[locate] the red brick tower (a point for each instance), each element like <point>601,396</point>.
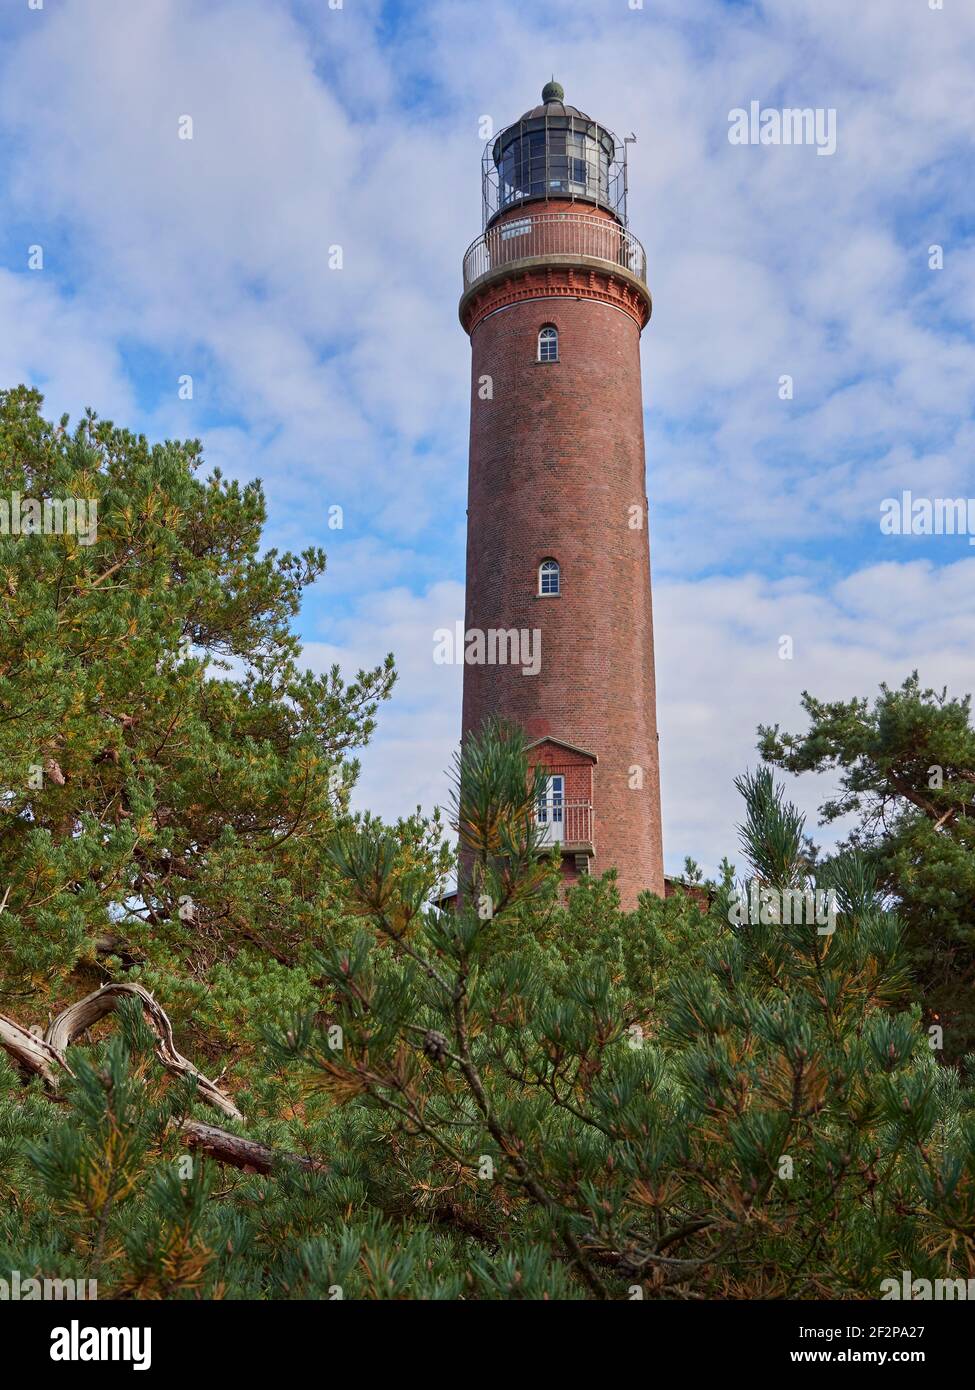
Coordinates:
<point>555,299</point>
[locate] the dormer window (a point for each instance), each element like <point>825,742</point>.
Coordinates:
<point>548,345</point>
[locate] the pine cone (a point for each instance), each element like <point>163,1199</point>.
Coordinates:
<point>435,1046</point>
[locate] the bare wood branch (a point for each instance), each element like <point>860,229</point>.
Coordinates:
<point>31,1053</point>
<point>47,1058</point>
<point>242,1153</point>
<point>75,1019</point>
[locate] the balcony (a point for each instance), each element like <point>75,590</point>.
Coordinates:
<point>571,237</point>
<point>566,823</point>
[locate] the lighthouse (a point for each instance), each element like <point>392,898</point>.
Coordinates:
<point>555,300</point>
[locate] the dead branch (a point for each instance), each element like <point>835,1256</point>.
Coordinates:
<point>31,1053</point>
<point>75,1019</point>
<point>46,1057</point>
<point>242,1153</point>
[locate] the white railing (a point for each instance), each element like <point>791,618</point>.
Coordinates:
<point>566,821</point>
<point>554,234</point>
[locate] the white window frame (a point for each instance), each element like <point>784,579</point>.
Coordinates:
<point>543,570</point>
<point>550,810</point>
<point>545,333</point>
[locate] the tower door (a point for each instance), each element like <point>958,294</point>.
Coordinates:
<point>551,807</point>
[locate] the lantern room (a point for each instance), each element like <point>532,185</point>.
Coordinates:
<point>554,152</point>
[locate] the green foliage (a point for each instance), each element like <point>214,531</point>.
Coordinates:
<point>670,1099</point>
<point>148,793</point>
<point>520,1098</point>
<point>906,769</point>
<point>678,1101</point>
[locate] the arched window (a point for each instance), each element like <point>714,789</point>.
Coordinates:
<point>549,578</point>
<point>548,344</point>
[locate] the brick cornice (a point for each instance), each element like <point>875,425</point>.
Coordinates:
<point>545,277</point>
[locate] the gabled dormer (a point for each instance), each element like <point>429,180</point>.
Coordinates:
<point>565,811</point>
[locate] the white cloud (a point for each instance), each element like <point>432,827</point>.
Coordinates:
<point>419,728</point>
<point>719,675</point>
<point>59,346</point>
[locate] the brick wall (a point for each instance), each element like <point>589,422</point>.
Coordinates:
<point>556,465</point>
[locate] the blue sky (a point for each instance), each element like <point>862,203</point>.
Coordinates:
<point>358,127</point>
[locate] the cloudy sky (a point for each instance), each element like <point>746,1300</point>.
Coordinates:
<point>358,126</point>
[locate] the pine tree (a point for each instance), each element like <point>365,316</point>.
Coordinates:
<point>171,773</point>
<point>709,1097</point>
<point>756,1119</point>
<point>906,769</point>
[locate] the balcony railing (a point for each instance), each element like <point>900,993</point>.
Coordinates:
<point>568,822</point>
<point>554,234</point>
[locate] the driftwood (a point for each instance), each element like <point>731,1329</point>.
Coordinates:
<point>46,1057</point>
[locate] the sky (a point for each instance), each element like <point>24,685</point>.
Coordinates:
<point>358,125</point>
